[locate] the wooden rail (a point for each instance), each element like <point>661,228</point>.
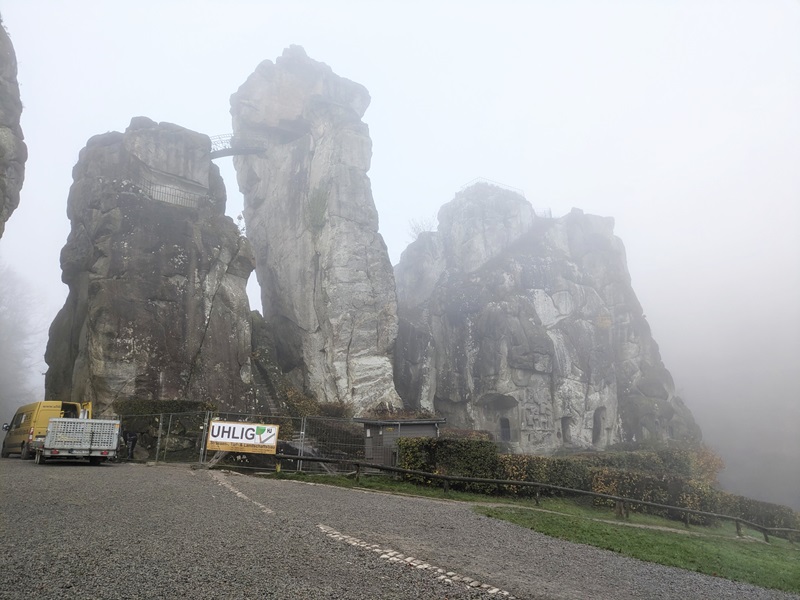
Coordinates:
<point>622,504</point>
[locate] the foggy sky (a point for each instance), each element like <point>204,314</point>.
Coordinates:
<point>677,118</point>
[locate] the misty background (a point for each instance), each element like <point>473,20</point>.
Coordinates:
<point>679,119</point>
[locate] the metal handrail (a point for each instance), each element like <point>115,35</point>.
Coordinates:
<point>229,144</point>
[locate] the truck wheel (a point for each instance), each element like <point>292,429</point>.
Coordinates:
<point>95,461</point>
<point>25,453</point>
<point>39,459</point>
<point>3,452</point>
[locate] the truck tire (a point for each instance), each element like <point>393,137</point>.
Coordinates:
<point>25,453</point>
<point>4,453</point>
<point>39,459</point>
<point>95,461</point>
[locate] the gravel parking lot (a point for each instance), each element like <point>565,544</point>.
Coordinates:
<point>137,531</point>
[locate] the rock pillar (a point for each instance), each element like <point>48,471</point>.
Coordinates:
<point>327,286</point>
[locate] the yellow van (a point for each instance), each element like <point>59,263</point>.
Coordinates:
<point>30,423</point>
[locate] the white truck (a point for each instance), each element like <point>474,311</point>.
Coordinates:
<point>93,439</point>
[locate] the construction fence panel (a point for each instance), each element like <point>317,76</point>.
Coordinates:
<point>327,437</point>
<point>320,437</point>
<point>164,437</point>
<point>181,438</point>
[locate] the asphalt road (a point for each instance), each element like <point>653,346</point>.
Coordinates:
<point>137,531</point>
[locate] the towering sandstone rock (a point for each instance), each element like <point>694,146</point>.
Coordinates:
<point>327,286</point>
<point>13,152</point>
<point>157,307</point>
<point>528,328</point>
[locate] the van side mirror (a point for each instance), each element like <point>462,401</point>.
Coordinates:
<point>6,427</point>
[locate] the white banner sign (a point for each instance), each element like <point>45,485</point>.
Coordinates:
<point>235,436</point>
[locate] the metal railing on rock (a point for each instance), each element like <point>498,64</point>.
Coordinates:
<point>509,188</point>
<point>229,144</point>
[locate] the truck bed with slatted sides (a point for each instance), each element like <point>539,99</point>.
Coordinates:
<point>95,439</point>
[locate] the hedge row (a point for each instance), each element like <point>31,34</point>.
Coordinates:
<point>756,511</point>
<point>449,456</point>
<point>673,477</point>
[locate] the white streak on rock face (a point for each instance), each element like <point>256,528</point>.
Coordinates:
<point>545,308</point>
<point>327,286</point>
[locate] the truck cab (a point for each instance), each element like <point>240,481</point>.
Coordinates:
<point>30,424</point>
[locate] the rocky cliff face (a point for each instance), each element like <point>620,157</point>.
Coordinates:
<point>327,286</point>
<point>528,328</point>
<point>157,307</point>
<point>13,152</point>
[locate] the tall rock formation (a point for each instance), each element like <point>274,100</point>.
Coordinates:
<point>13,152</point>
<point>327,286</point>
<point>528,328</point>
<point>157,306</point>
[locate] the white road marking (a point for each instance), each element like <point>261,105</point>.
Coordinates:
<point>393,556</point>
<point>222,480</point>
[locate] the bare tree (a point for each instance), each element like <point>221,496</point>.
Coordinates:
<point>417,226</point>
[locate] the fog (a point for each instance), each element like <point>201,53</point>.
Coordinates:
<point>679,119</point>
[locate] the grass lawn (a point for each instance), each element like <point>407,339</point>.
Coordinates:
<point>775,565</point>
<point>710,550</point>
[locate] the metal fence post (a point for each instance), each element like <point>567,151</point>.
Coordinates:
<point>160,428</point>
<point>302,443</point>
<point>166,442</point>
<point>205,437</point>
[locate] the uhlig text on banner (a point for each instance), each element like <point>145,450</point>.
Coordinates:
<point>232,436</point>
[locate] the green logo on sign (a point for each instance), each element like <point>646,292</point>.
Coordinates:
<point>261,431</point>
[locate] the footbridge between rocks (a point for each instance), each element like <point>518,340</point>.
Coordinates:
<point>172,190</point>
<point>230,145</point>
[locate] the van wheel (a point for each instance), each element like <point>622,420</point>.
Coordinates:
<point>25,454</point>
<point>3,452</point>
<point>39,459</point>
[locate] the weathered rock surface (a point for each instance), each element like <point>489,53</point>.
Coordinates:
<point>13,152</point>
<point>157,307</point>
<point>529,328</point>
<point>327,286</point>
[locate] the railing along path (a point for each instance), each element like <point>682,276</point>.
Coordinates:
<point>623,502</point>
